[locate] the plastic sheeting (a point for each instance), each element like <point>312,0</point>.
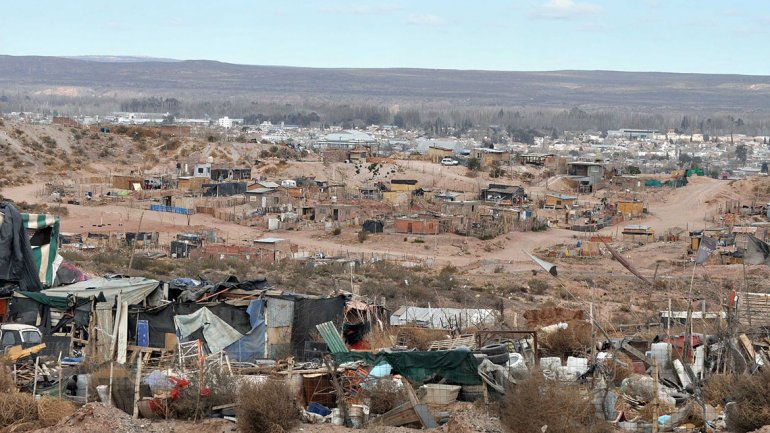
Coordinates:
<point>252,345</point>
<point>458,366</point>
<point>310,312</point>
<point>161,319</point>
<point>133,290</point>
<point>216,332</point>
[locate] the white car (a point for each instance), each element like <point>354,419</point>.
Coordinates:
<point>15,334</point>
<point>449,161</point>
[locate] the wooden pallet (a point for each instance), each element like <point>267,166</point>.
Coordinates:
<point>467,340</point>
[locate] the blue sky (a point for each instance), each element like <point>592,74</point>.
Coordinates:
<point>708,36</point>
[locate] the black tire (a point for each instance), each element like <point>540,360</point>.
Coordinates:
<point>500,359</point>
<point>494,349</point>
<point>480,357</point>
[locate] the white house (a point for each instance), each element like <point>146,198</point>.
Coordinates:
<point>225,122</point>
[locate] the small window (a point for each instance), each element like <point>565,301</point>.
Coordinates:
<point>9,339</point>
<point>32,337</point>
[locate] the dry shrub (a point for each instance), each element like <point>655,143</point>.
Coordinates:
<point>16,408</point>
<point>266,407</point>
<point>384,395</point>
<point>536,402</point>
<point>573,341</point>
<point>419,338</point>
<point>219,388</point>
<point>6,380</point>
<point>751,395</point>
<point>717,388</point>
<point>50,410</point>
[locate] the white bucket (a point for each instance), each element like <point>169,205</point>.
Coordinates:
<point>356,416</point>
<point>336,417</point>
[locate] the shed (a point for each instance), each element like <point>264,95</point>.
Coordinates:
<point>636,232</point>
<point>417,226</point>
<point>373,226</point>
<point>630,207</point>
<point>403,185</point>
<point>443,318</point>
<point>559,201</point>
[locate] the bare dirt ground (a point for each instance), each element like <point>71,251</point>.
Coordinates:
<point>671,209</point>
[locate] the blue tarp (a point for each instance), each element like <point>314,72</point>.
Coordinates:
<point>252,345</point>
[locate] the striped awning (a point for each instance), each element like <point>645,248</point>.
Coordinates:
<point>44,252</point>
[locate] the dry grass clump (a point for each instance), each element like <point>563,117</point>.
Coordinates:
<point>573,341</point>
<point>266,407</point>
<point>717,388</point>
<point>50,410</point>
<point>6,379</point>
<point>751,395</point>
<point>419,338</point>
<point>17,408</point>
<point>536,402</point>
<point>384,396</point>
<point>196,400</point>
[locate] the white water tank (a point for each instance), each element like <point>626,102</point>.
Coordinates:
<point>210,159</point>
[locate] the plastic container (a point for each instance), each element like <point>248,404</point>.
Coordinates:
<point>318,408</point>
<point>104,396</point>
<point>356,415</point>
<point>440,394</point>
<point>550,363</point>
<point>337,417</point>
<point>577,365</point>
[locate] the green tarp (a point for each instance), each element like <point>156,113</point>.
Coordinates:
<point>676,183</point>
<point>51,301</point>
<point>653,183</point>
<point>458,367</point>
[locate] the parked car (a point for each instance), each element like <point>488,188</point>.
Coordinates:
<point>449,161</point>
<point>16,334</point>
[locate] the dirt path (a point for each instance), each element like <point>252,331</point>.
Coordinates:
<point>688,206</point>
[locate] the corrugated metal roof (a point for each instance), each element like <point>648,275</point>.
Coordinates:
<point>133,290</point>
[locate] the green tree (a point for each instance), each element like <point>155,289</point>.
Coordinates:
<point>742,153</point>
<point>474,163</point>
<point>496,171</point>
<point>632,169</point>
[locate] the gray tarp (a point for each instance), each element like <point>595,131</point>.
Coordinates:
<point>133,290</point>
<point>217,333</point>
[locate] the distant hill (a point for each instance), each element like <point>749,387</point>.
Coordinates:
<point>202,79</point>
<point>121,59</point>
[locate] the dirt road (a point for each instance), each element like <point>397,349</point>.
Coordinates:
<point>689,206</point>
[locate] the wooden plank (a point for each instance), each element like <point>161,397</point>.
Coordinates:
<point>170,341</point>
<point>747,346</point>
<point>630,349</point>
<point>426,419</point>
<point>425,416</point>
<point>123,332</point>
<point>16,352</point>
<point>398,416</point>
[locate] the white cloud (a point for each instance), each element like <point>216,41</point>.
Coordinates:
<point>424,20</point>
<point>565,9</point>
<point>362,9</point>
